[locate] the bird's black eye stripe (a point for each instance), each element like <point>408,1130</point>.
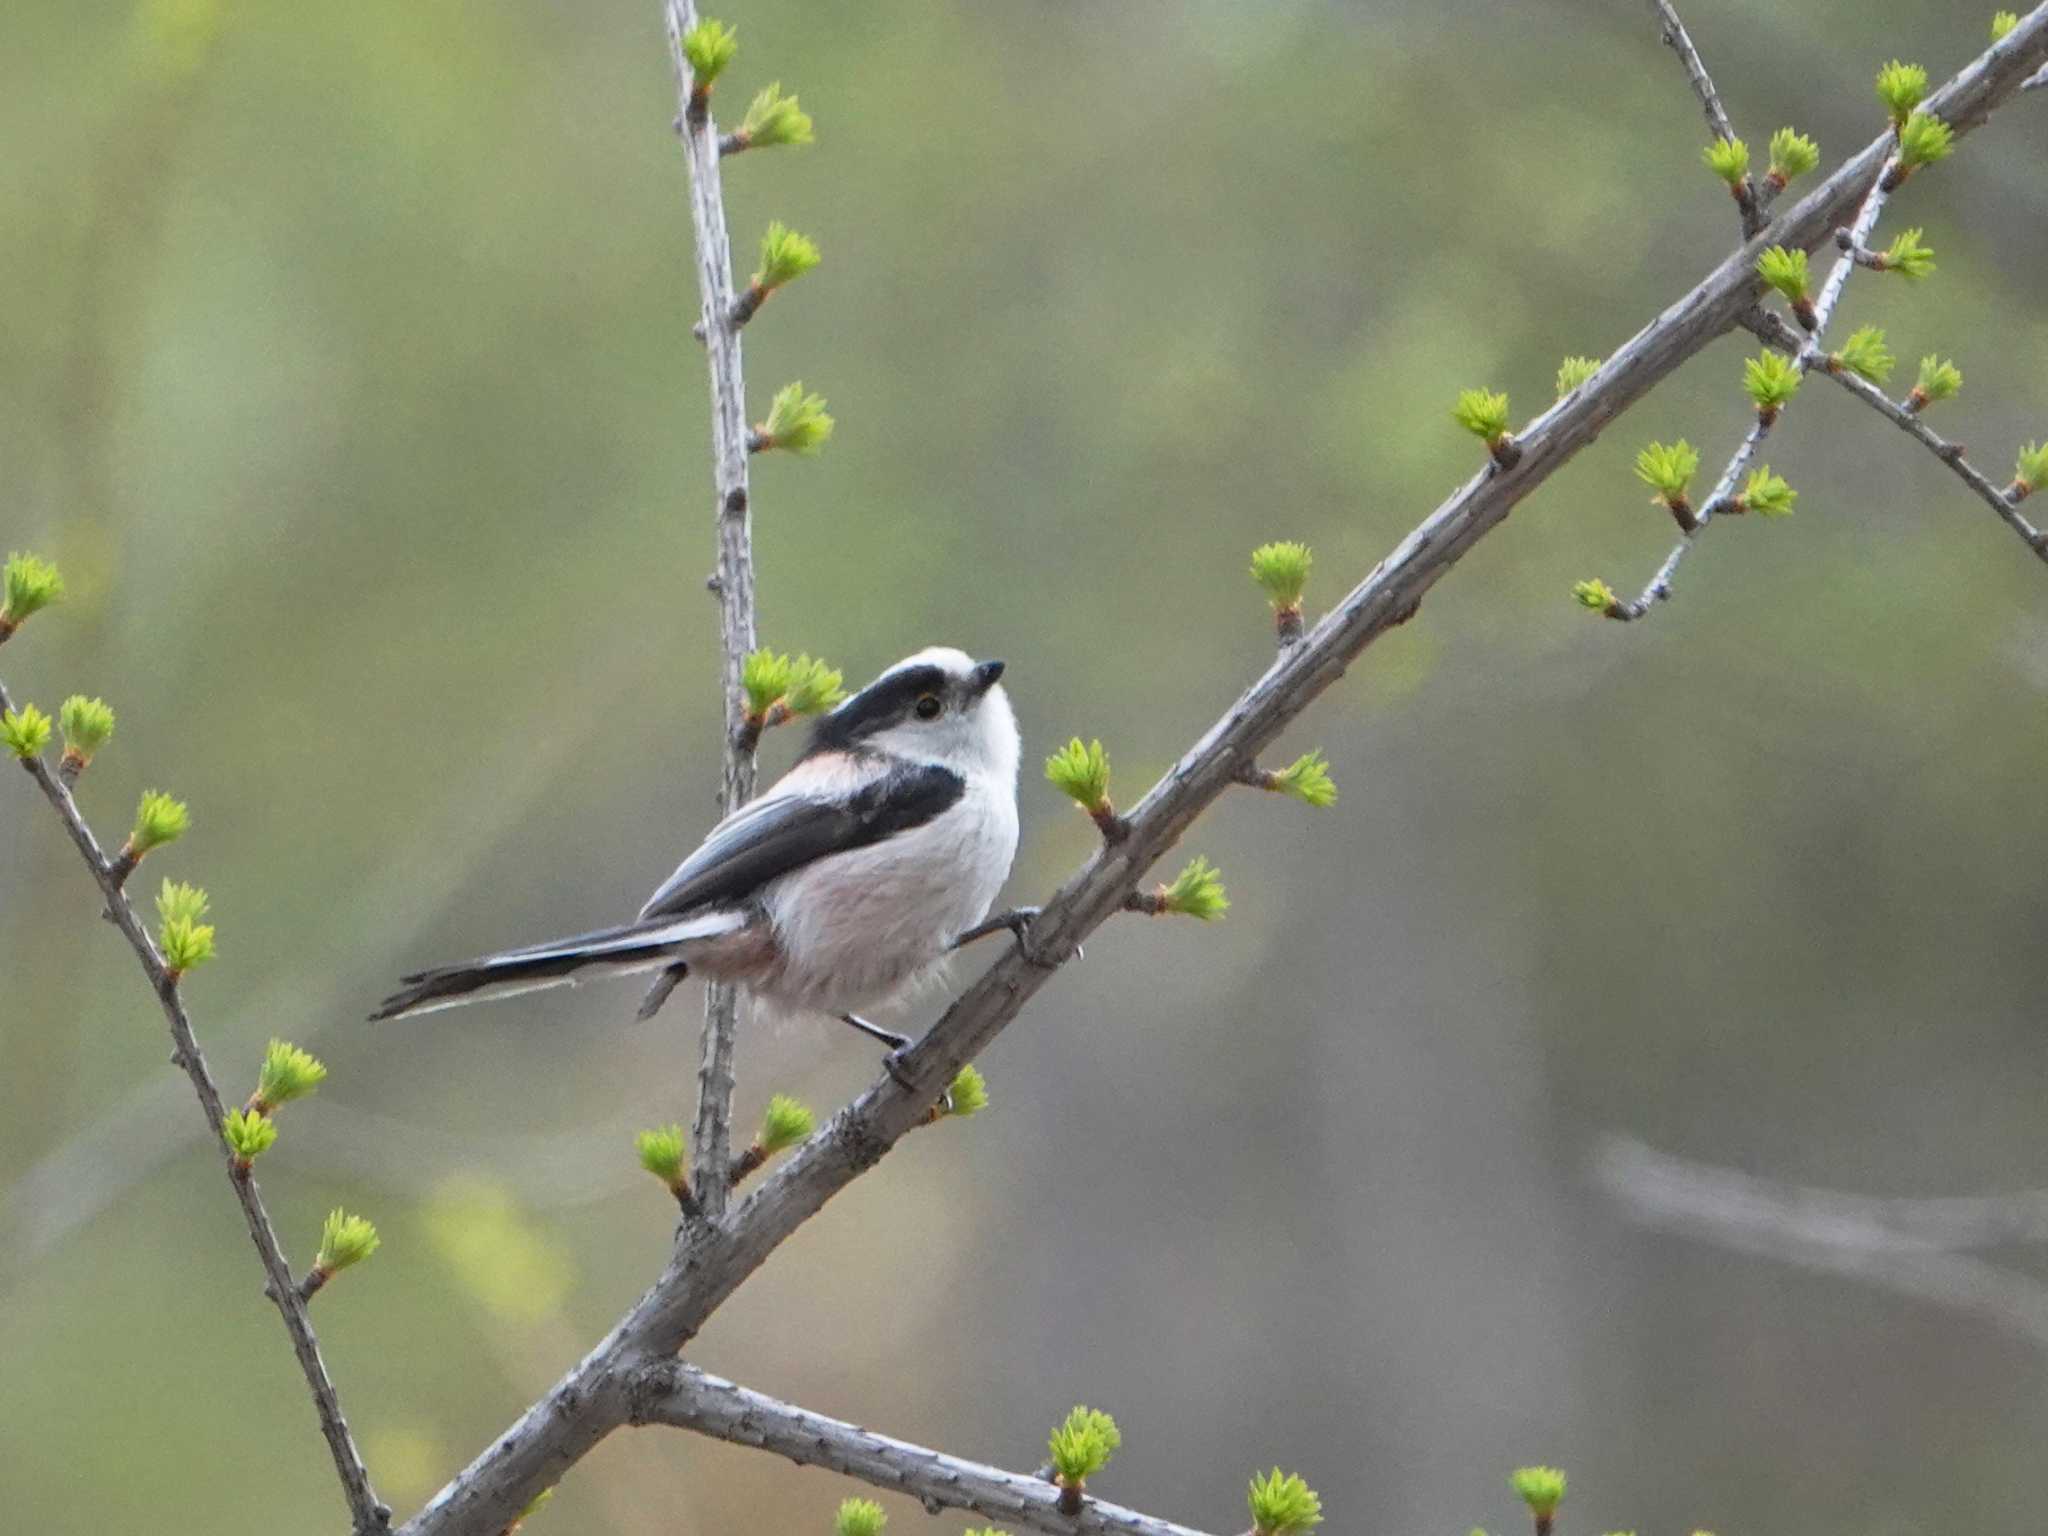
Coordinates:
<point>883,702</point>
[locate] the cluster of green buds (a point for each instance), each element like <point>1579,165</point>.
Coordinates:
<point>1793,154</point>
<point>785,257</point>
<point>773,121</point>
<point>784,1123</point>
<point>1282,1504</point>
<point>1863,354</point>
<point>1668,470</point>
<point>159,819</point>
<point>1906,255</point>
<point>966,1095</point>
<point>1197,891</point>
<point>286,1072</point>
<point>859,1517</point>
<point>26,732</point>
<point>663,1152</point>
<point>1081,773</point>
<point>1078,1449</point>
<point>183,938</point>
<point>797,423</point>
<point>1281,571</point>
<point>27,586</point>
<point>345,1241</point>
<point>1598,597</point>
<point>1542,1489</point>
<point>1939,379</point>
<point>781,688</point>
<point>1307,779</point>
<point>707,48</point>
<point>1923,137</point>
<point>1574,373</point>
<point>1765,494</point>
<point>2030,474</point>
<point>1772,379</point>
<point>2002,23</point>
<point>1729,159</point>
<point>1485,415</point>
<point>1784,270</point>
<point>88,725</point>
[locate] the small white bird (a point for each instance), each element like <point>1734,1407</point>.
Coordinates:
<point>841,887</point>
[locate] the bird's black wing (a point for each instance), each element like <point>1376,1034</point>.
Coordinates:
<point>784,831</point>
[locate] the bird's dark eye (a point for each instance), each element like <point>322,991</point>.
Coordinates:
<point>928,707</point>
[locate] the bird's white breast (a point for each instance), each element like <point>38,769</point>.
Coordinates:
<point>856,929</point>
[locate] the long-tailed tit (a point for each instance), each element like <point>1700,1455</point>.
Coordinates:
<point>841,887</point>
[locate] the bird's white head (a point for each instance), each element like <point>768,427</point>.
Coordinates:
<point>938,706</point>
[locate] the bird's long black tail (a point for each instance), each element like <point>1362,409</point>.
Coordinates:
<point>662,944</point>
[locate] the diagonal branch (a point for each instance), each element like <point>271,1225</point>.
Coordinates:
<point>1680,41</point>
<point>1843,1234</point>
<point>714,1260</point>
<point>1722,497</point>
<point>681,1395</point>
<point>367,1513</point>
<point>734,582</point>
<point>1774,331</point>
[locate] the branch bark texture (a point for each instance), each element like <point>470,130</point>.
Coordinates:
<point>733,584</point>
<point>671,1392</point>
<point>711,1261</point>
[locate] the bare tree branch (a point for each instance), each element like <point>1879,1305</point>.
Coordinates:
<point>711,1261</point>
<point>367,1512</point>
<point>1680,42</point>
<point>1777,333</point>
<point>670,1392</point>
<point>1899,1245</point>
<point>734,582</point>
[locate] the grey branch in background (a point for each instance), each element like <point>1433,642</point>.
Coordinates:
<point>1769,328</point>
<point>1718,124</point>
<point>671,1392</point>
<point>714,1258</point>
<point>1903,1245</point>
<point>367,1512</point>
<point>733,584</point>
<point>1723,494</point>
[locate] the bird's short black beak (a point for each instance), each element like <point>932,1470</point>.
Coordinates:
<point>984,677</point>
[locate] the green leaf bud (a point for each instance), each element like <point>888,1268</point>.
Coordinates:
<point>1197,891</point>
<point>1281,571</point>
<point>1541,1488</point>
<point>1772,379</point>
<point>1082,1446</point>
<point>1307,779</point>
<point>1283,1505</point>
<point>709,46</point>
<point>785,257</point>
<point>88,725</point>
<point>773,120</point>
<point>1907,256</point>
<point>1668,469</point>
<point>967,1094</point>
<point>159,819</point>
<point>25,731</point>
<point>1729,160</point>
<point>1865,355</point>
<point>27,586</point>
<point>345,1240</point>
<point>2031,472</point>
<point>248,1135</point>
<point>1081,773</point>
<point>662,1153</point>
<point>1766,494</point>
<point>1483,414</point>
<point>287,1073</point>
<point>797,423</point>
<point>1596,595</point>
<point>1924,140</point>
<point>1939,380</point>
<point>1793,154</point>
<point>1901,87</point>
<point>859,1517</point>
<point>1574,372</point>
<point>784,1123</point>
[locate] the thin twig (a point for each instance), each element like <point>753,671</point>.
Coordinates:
<point>1769,328</point>
<point>1659,587</point>
<point>733,584</point>
<point>681,1395</point>
<point>1817,1229</point>
<point>1680,41</point>
<point>368,1513</point>
<point>712,1262</point>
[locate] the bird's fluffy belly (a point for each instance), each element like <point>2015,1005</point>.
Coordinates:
<point>856,929</point>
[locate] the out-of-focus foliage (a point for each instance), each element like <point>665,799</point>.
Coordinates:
<point>346,372</point>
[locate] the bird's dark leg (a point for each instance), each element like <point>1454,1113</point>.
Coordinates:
<point>888,1037</point>
<point>1015,920</point>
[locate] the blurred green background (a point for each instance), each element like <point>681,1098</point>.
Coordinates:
<point>345,367</point>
